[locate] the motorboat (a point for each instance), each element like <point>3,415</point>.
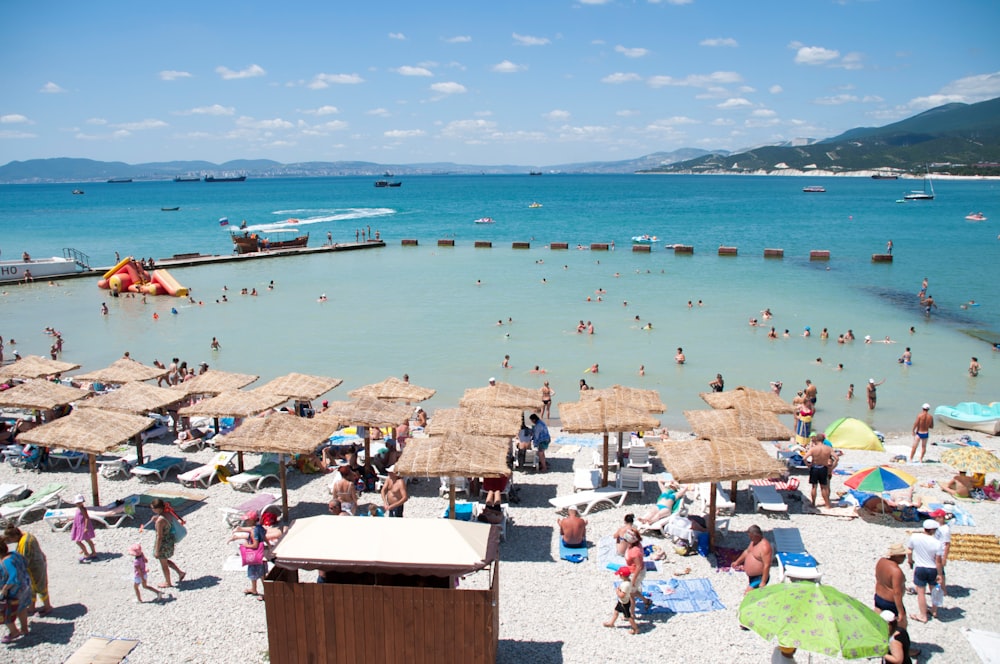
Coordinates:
<point>535,204</point>
<point>971,415</point>
<point>251,243</point>
<point>484,220</point>
<point>388,183</point>
<point>78,192</point>
<point>814,189</point>
<point>644,239</point>
<point>170,209</point>
<point>975,216</point>
<point>28,268</point>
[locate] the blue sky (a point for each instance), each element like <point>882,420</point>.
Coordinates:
<point>504,82</point>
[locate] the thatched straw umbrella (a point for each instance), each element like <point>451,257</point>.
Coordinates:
<point>503,395</point>
<point>717,460</point>
<point>301,387</point>
<point>394,389</point>
<point>729,423</point>
<point>122,370</point>
<point>633,397</point>
<point>366,412</point>
<point>476,421</point>
<point>89,430</point>
<point>747,398</point>
<point>41,395</point>
<point>455,455</point>
<point>35,366</point>
<point>282,433</point>
<point>215,382</point>
<point>138,399</point>
<point>603,416</point>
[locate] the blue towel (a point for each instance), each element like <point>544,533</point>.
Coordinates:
<point>797,559</point>
<point>574,554</point>
<point>688,596</point>
<point>463,512</point>
<point>582,441</point>
<point>961,516</point>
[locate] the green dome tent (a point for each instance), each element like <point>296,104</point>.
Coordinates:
<point>848,433</point>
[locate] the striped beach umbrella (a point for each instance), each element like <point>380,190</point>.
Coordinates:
<point>880,478</point>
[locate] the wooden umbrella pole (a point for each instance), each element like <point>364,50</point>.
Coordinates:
<point>239,461</point>
<point>711,517</point>
<point>284,488</point>
<point>604,474</point>
<point>215,421</point>
<point>92,462</point>
<point>368,447</point>
<point>451,498</point>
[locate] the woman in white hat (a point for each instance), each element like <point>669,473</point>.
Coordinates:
<point>83,530</point>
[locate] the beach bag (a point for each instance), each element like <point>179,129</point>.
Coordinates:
<point>253,556</point>
<point>180,531</point>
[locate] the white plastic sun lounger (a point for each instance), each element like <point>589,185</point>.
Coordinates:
<point>109,516</point>
<point>766,499</point>
<point>203,475</point>
<point>794,562</point>
<point>585,501</point>
<point>160,468</point>
<point>260,503</point>
<point>585,479</point>
<point>17,511</point>
<point>112,466</point>
<point>72,459</point>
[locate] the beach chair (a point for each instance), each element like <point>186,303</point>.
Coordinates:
<point>109,516</point>
<point>159,468</point>
<point>261,502</point>
<point>155,431</point>
<point>585,501</point>
<point>72,459</point>
<point>203,475</point>
<point>598,459</point>
<point>461,485</point>
<point>585,479</point>
<point>18,511</point>
<point>114,466</point>
<point>477,509</point>
<point>530,459</point>
<point>9,492</point>
<point>629,479</point>
<point>253,479</point>
<point>794,562</point>
<point>724,504</point>
<point>638,457</point>
<point>187,442</point>
<point>767,499</point>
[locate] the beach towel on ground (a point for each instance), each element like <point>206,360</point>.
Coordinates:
<point>584,441</point>
<point>574,554</point>
<point>607,556</point>
<point>680,596</point>
<point>962,516</point>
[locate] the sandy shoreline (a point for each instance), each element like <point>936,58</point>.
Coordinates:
<point>551,610</point>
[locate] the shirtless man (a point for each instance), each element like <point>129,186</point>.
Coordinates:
<point>960,485</point>
<point>890,583</point>
<point>811,391</point>
<point>822,461</point>
<point>679,357</point>
<point>755,560</point>
<point>421,417</point>
<point>974,367</point>
<point>547,393</point>
<point>394,494</point>
<point>922,431</point>
<point>573,529</point>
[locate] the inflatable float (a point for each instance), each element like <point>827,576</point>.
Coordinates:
<point>129,276</point>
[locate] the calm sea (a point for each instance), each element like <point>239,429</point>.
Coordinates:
<point>420,310</point>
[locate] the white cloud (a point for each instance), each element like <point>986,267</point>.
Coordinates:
<point>150,123</point>
<point>627,113</point>
<point>397,35</point>
<point>734,102</point>
<point>332,125</point>
<point>763,113</point>
<point>966,90</point>
<point>404,133</point>
<point>96,121</point>
<point>621,77</point>
<point>722,122</point>
<point>697,80</point>
<point>253,71</point>
<point>527,40</point>
<point>51,88</point>
<point>837,100</point>
<point>379,112</point>
<point>322,81</point>
<point>172,75</point>
<point>507,67</point>
<point>13,134</point>
<point>815,55</point>
<point>558,115</point>
<point>214,109</point>
<point>775,89</point>
<point>853,60</point>
<point>406,70</point>
<point>15,118</point>
<point>470,130</point>
<point>459,39</point>
<point>275,123</point>
<point>719,41</point>
<point>631,52</point>
<point>322,110</point>
<point>673,122</point>
<point>448,88</point>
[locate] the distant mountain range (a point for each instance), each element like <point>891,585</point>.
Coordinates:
<point>962,139</point>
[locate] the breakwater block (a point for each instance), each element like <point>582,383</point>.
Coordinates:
<point>641,248</point>
<point>483,244</point>
<point>774,253</point>
<point>409,243</point>
<point>599,246</point>
<point>727,251</point>
<point>521,245</point>
<point>683,249</point>
<point>559,245</point>
<point>881,258</point>
<point>819,255</point>
<point>446,243</point>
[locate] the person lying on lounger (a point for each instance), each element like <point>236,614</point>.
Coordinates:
<point>669,501</point>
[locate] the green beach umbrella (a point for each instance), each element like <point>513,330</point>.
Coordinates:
<point>848,433</point>
<point>816,618</point>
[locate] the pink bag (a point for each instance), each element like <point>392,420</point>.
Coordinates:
<point>252,556</point>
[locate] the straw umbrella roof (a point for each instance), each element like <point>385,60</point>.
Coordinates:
<point>88,430</point>
<point>280,432</point>
<point>366,411</point>
<point>35,366</point>
<point>717,460</point>
<point>122,370</point>
<point>393,389</point>
<point>503,395</point>
<point>729,423</point>
<point>747,398</point>
<point>234,404</point>
<point>41,395</point>
<point>136,398</point>
<point>215,382</point>
<point>455,455</point>
<point>633,397</point>
<point>598,416</point>
<point>301,386</point>
<point>476,420</point>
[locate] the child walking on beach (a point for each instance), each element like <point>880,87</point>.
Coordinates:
<point>139,573</point>
<point>626,603</point>
<point>83,530</point>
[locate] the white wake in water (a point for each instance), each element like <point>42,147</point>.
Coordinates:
<point>292,219</point>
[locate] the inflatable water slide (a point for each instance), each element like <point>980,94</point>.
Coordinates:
<point>129,276</point>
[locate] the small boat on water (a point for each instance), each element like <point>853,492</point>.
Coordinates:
<point>232,178</point>
<point>119,180</point>
<point>975,216</point>
<point>971,415</point>
<point>187,178</point>
<point>814,189</point>
<point>388,183</point>
<point>484,220</point>
<point>925,194</point>
<point>535,204</point>
<point>28,268</point>
<point>885,176</point>
<point>251,243</point>
<point>78,192</point>
<point>644,239</point>
<point>169,209</point>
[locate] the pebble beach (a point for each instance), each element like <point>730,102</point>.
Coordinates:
<point>551,610</point>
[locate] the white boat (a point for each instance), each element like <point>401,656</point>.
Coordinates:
<point>975,216</point>
<point>814,189</point>
<point>644,239</point>
<point>971,415</point>
<point>925,194</point>
<point>536,204</point>
<point>484,220</point>
<point>71,262</point>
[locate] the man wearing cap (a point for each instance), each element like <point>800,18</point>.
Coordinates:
<point>890,582</point>
<point>872,396</point>
<point>326,406</point>
<point>922,431</point>
<point>493,381</point>
<point>924,556</point>
<point>943,535</point>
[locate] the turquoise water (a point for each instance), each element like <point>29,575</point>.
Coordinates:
<point>419,309</point>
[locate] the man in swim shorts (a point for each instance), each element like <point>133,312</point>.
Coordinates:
<point>756,559</point>
<point>922,431</point>
<point>925,557</point>
<point>890,582</point>
<point>822,461</point>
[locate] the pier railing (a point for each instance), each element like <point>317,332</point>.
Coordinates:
<point>80,258</point>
